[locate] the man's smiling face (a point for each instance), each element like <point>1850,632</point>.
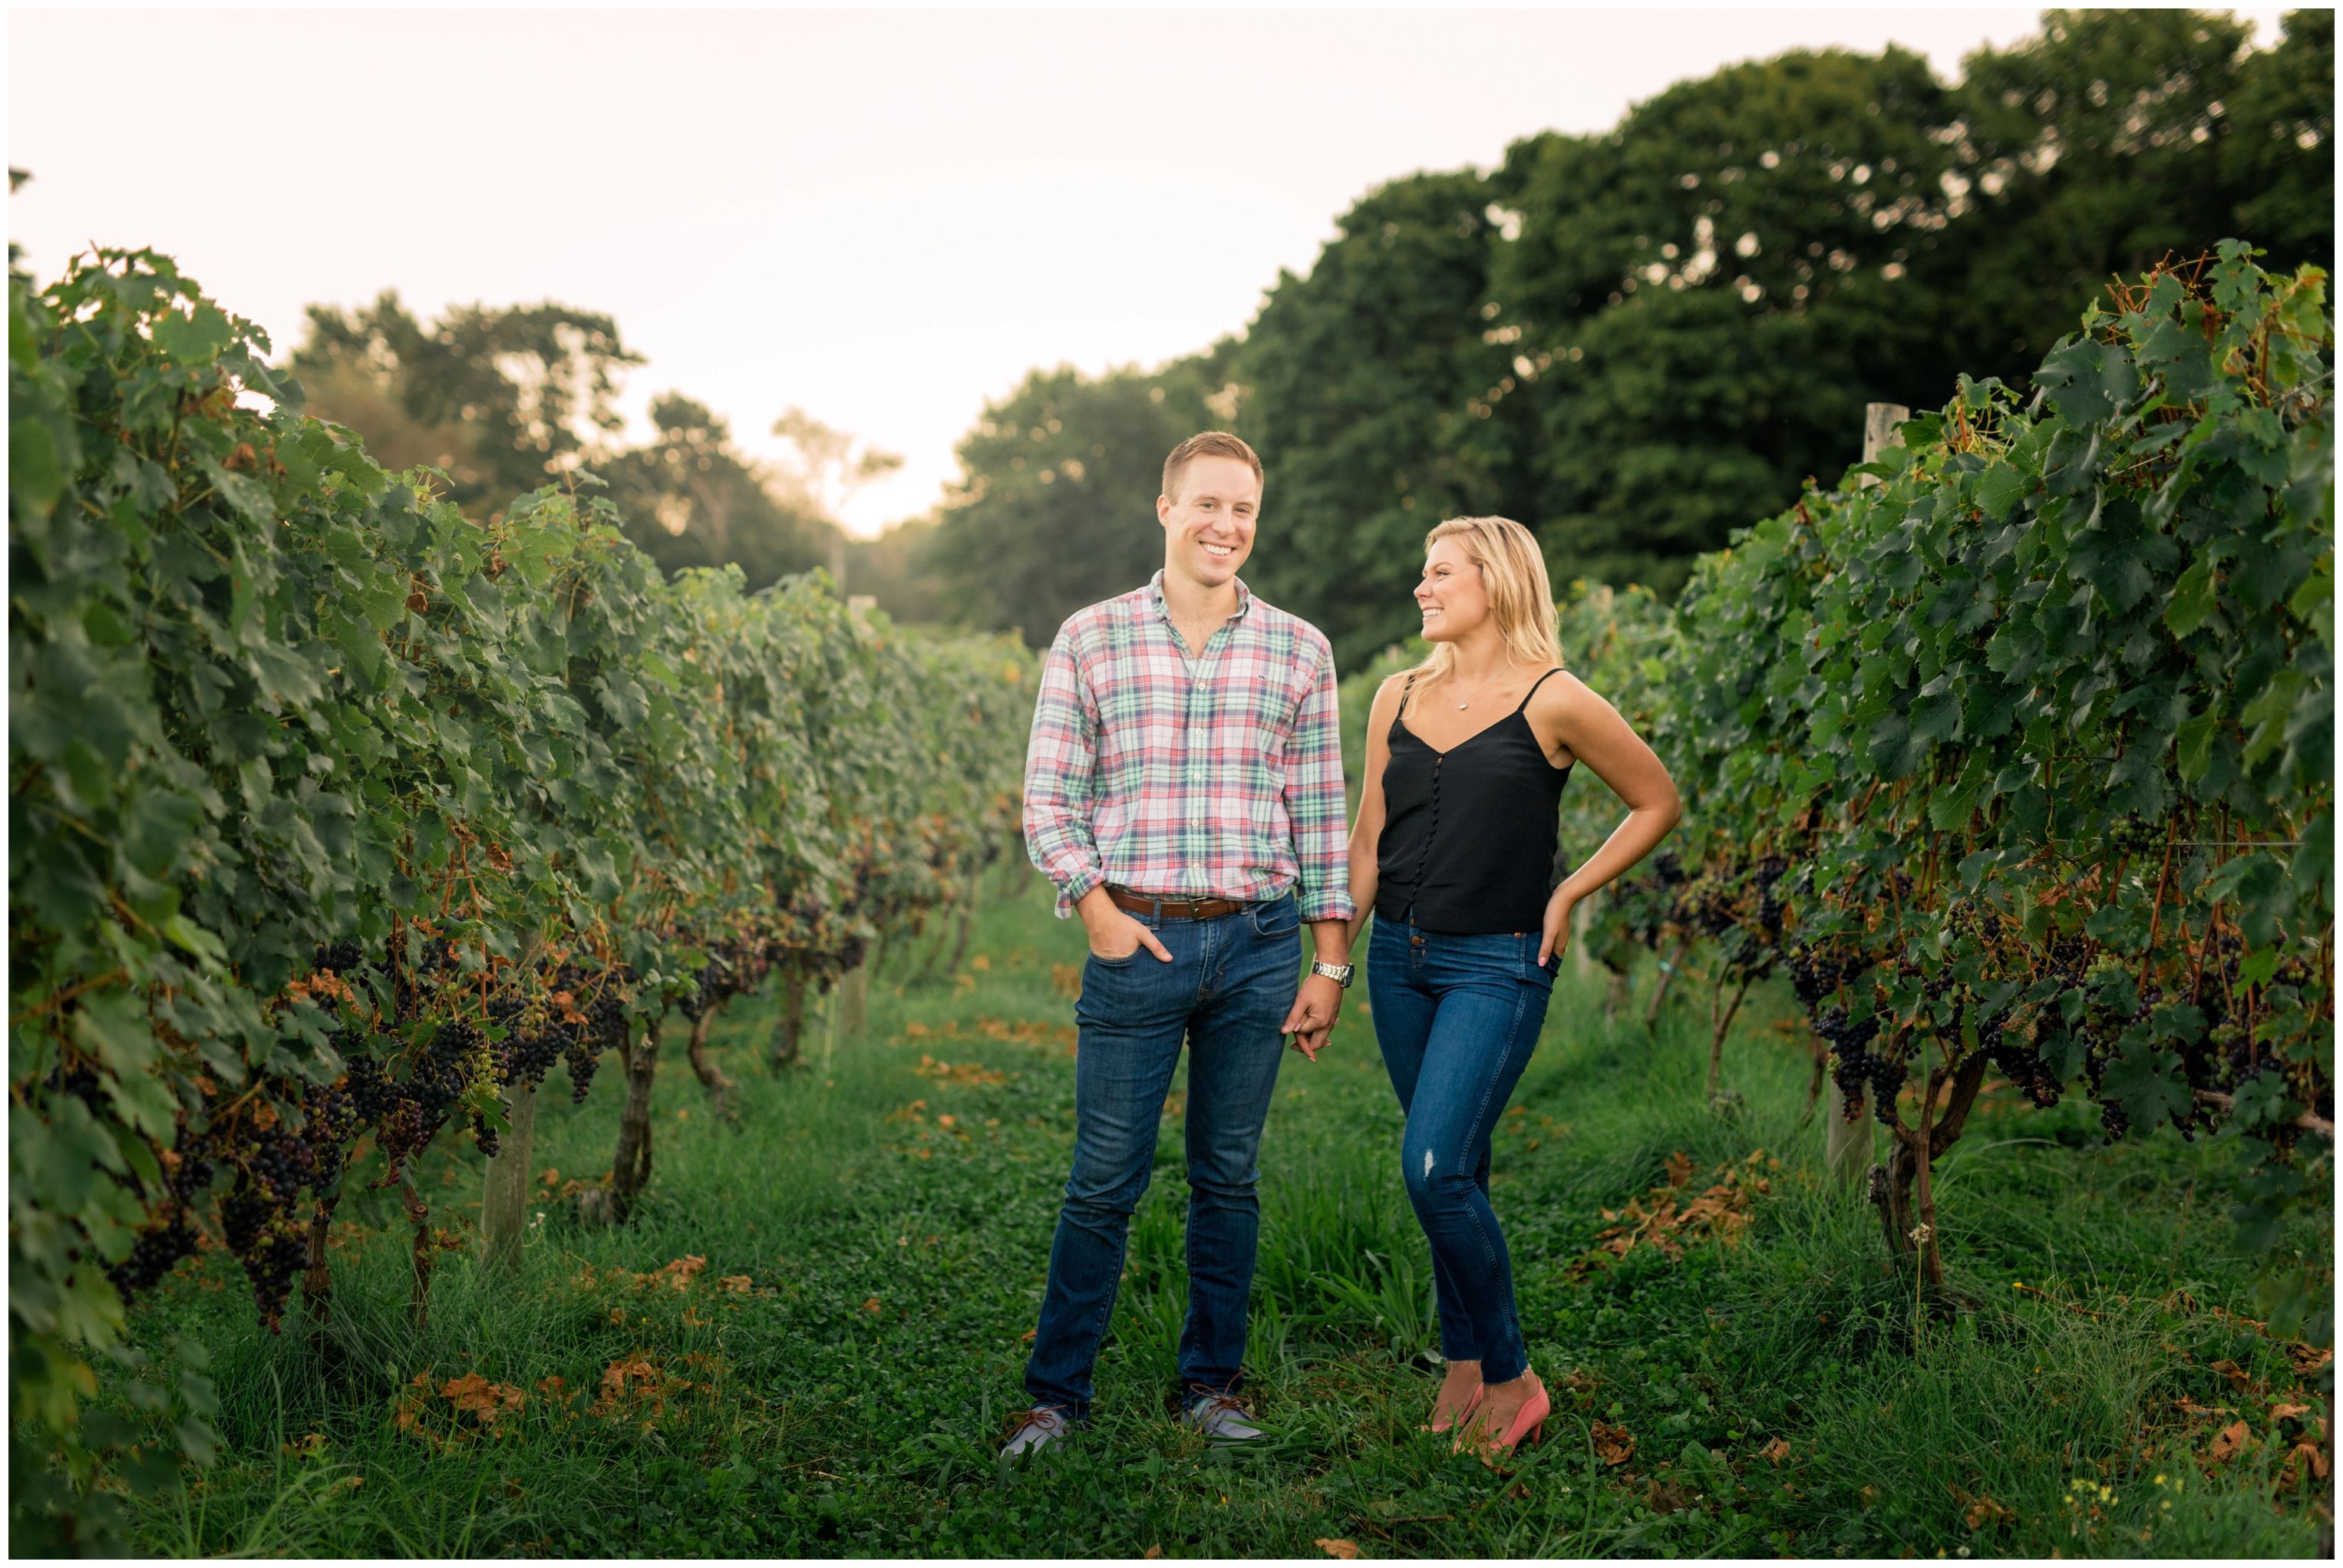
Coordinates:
<point>1208,527</point>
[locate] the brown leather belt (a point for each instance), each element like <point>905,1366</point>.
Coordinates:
<point>1172,908</point>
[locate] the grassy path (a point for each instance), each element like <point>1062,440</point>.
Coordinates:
<point>831,1379</point>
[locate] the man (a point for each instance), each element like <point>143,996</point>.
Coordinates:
<point>1184,790</point>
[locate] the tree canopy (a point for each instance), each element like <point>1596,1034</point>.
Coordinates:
<point>502,399</point>
<point>1055,508</point>
<point>1634,341</point>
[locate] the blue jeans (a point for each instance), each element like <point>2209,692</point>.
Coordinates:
<point>1457,1018</point>
<point>1230,984</point>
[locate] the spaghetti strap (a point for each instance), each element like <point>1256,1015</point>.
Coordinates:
<point>1533,691</point>
<point>1404,692</point>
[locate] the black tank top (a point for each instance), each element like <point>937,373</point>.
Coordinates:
<point>1468,840</point>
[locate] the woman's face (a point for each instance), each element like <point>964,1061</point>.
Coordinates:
<point>1450,595</point>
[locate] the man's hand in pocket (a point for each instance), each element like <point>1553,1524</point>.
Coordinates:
<point>1115,936</point>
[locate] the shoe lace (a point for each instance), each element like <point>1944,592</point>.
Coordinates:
<point>1048,1417</point>
<point>1205,1403</point>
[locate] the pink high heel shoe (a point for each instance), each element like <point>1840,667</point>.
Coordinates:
<point>1463,1411</point>
<point>1527,1423</point>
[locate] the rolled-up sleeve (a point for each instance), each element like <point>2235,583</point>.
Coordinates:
<point>1060,761</point>
<point>1314,800</point>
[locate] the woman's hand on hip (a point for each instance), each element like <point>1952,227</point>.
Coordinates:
<point>1555,937</point>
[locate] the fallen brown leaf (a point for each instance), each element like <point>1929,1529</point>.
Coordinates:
<point>1614,1445</point>
<point>1776,1451</point>
<point>2230,1440</point>
<point>1337,1547</point>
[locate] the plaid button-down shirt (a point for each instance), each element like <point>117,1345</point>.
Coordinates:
<point>1217,775</point>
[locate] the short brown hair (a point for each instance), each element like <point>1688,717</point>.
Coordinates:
<point>1207,443</point>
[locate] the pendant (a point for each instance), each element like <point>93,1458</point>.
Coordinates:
<point>1461,706</point>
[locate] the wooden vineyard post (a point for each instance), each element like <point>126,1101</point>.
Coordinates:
<point>1846,1144</point>
<point>504,1196</point>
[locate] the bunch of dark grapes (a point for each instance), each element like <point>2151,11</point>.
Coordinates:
<point>1850,1040</point>
<point>154,1254</point>
<point>341,957</point>
<point>2017,1060</point>
<point>1887,1075</point>
<point>372,1093</point>
<point>273,1164</point>
<point>330,1124</point>
<point>1813,975</point>
<point>438,1081</point>
<point>605,1029</point>
<point>581,1056</point>
<point>158,1249</point>
<point>534,1053</point>
<point>2098,1049</point>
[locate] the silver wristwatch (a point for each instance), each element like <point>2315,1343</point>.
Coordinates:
<point>1339,973</point>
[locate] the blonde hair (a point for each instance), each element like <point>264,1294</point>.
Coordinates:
<point>1521,597</point>
<point>1206,444</point>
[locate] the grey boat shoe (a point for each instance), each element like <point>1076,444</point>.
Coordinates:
<point>1034,1430</point>
<point>1219,1417</point>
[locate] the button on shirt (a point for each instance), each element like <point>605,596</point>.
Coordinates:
<point>1187,775</point>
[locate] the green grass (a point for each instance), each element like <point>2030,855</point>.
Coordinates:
<point>850,1401</point>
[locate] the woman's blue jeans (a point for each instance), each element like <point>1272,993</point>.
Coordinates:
<point>1230,984</point>
<point>1457,1018</point>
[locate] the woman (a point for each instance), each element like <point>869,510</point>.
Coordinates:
<point>1452,850</point>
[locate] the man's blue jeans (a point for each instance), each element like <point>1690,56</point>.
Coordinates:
<point>1230,984</point>
<point>1457,1018</point>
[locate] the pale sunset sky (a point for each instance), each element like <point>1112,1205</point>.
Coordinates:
<point>884,216</point>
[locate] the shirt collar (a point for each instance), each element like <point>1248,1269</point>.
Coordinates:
<point>1155,588</point>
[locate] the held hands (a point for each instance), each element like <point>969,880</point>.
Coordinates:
<point>1312,1017</point>
<point>1555,937</point>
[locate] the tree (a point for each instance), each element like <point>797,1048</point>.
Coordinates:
<point>1055,506</point>
<point>2279,150</point>
<point>2116,138</point>
<point>1700,303</point>
<point>1370,390</point>
<point>891,569</point>
<point>690,499</point>
<point>1635,341</point>
<point>500,399</point>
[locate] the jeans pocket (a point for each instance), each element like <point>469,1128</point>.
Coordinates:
<point>1279,919</point>
<point>1105,962</point>
<point>1531,971</point>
